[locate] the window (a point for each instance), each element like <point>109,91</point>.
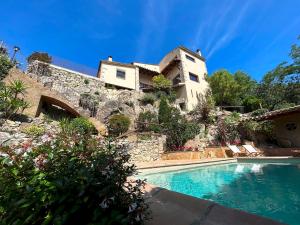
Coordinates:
<point>194,77</point>
<point>190,58</point>
<point>291,126</point>
<point>176,80</point>
<point>121,74</point>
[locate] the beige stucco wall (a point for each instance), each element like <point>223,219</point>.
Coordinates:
<point>282,133</point>
<point>146,79</point>
<point>193,88</point>
<point>108,74</point>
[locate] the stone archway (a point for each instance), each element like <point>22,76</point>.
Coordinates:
<point>57,102</point>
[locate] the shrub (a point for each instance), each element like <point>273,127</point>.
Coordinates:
<point>118,124</point>
<point>40,56</point>
<point>11,101</point>
<point>202,111</point>
<point>227,130</point>
<point>77,126</point>
<point>161,83</point>
<point>148,121</point>
<point>179,130</point>
<point>70,180</point>
<point>164,111</point>
<point>148,99</point>
<point>259,112</point>
<point>34,130</point>
<point>5,66</point>
<point>86,81</point>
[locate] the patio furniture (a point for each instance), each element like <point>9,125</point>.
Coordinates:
<point>236,151</point>
<point>251,150</point>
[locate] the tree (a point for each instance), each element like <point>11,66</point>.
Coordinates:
<point>281,86</point>
<point>164,111</point>
<point>224,88</point>
<point>161,83</point>
<point>40,56</point>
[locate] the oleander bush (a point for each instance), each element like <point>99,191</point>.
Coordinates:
<point>69,180</point>
<point>118,124</point>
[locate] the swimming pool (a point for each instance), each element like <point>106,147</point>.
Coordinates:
<point>267,189</point>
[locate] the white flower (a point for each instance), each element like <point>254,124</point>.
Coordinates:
<point>104,204</point>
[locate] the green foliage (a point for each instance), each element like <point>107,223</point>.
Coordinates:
<point>259,112</point>
<point>5,66</point>
<point>228,129</point>
<point>250,129</point>
<point>178,129</point>
<point>70,180</point>
<point>164,111</point>
<point>236,89</point>
<point>148,99</point>
<point>283,105</point>
<point>161,83</point>
<point>147,121</point>
<point>40,56</point>
<point>118,124</point>
<point>11,101</point>
<point>201,113</point>
<point>34,130</point>
<point>86,81</point>
<point>77,126</point>
<point>282,84</point>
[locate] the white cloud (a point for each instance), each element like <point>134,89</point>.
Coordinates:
<point>231,30</point>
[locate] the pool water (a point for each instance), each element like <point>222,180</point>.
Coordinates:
<point>270,190</point>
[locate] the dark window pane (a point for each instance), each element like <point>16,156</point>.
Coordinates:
<point>190,58</point>
<point>194,77</point>
<point>120,74</point>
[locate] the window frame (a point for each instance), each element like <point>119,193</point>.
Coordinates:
<point>122,71</point>
<point>190,58</point>
<point>194,75</point>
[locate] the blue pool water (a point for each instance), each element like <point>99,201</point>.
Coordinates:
<point>270,190</point>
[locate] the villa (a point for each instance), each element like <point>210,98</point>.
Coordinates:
<point>186,70</point>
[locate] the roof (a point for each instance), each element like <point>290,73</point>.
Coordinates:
<point>195,54</point>
<point>117,63</point>
<point>278,113</point>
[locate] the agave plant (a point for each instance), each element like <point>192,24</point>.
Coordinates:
<point>10,98</point>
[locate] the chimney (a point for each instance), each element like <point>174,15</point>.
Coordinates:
<point>109,58</point>
<point>198,52</point>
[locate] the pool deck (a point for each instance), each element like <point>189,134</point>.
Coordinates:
<point>169,207</point>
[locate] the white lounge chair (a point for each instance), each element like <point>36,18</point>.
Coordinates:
<point>251,149</point>
<point>234,149</point>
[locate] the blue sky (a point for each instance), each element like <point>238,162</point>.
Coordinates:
<point>250,35</point>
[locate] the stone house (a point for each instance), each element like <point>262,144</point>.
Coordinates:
<point>185,68</point>
<point>286,125</point>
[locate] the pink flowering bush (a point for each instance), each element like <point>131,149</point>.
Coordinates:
<point>69,179</point>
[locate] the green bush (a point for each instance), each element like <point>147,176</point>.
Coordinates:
<point>259,112</point>
<point>148,99</point>
<point>5,66</point>
<point>79,126</point>
<point>70,180</point>
<point>160,82</point>
<point>178,130</point>
<point>164,111</point>
<point>118,124</point>
<point>11,99</point>
<point>148,121</point>
<point>40,56</point>
<point>34,130</point>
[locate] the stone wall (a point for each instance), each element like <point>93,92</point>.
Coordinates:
<point>72,85</point>
<point>146,150</point>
